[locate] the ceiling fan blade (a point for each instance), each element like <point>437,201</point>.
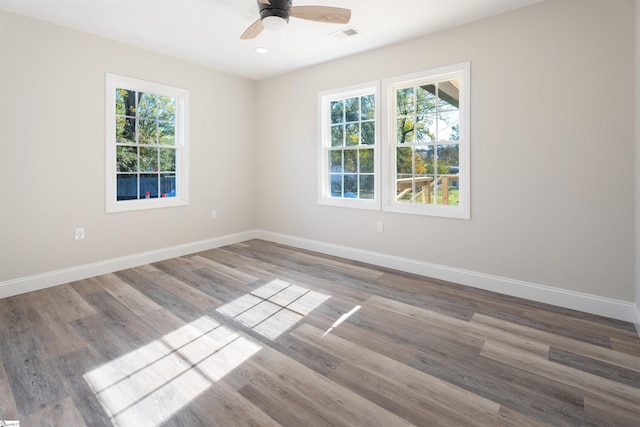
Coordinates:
<point>264,1</point>
<point>253,30</point>
<point>330,14</point>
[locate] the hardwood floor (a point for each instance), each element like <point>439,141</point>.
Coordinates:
<point>263,334</point>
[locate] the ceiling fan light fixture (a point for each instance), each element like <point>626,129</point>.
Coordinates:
<point>274,23</point>
<point>274,15</point>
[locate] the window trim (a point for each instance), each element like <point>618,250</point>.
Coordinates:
<point>114,81</point>
<point>388,98</point>
<point>324,146</point>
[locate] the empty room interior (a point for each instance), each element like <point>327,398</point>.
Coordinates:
<point>206,220</point>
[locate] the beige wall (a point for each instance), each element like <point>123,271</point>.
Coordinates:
<point>52,152</point>
<point>552,151</point>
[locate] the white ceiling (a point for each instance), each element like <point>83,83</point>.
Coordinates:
<point>207,32</point>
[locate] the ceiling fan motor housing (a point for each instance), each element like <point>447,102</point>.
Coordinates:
<point>279,8</point>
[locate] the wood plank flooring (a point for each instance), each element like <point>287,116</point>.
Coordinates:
<point>260,334</point>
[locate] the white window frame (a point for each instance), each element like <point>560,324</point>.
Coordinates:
<point>114,81</point>
<point>389,123</point>
<point>324,191</point>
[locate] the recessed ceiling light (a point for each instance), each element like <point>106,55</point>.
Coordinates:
<point>261,50</point>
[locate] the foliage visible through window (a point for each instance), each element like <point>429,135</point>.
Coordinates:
<point>350,139</point>
<point>427,151</point>
<point>427,142</point>
<point>145,144</point>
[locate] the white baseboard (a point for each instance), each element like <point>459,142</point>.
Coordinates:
<point>612,308</point>
<point>616,309</point>
<point>59,277</point>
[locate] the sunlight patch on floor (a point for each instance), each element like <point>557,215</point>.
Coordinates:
<point>147,386</point>
<point>273,308</point>
<point>341,319</point>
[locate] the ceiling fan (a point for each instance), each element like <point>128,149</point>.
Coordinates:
<point>274,15</point>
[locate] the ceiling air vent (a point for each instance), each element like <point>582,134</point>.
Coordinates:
<point>344,33</point>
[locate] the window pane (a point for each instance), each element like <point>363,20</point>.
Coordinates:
<point>448,191</point>
<point>421,162</point>
<point>368,107</point>
<point>352,134</point>
<point>125,102</point>
<point>424,161</point>
<point>352,109</point>
<point>337,112</point>
<point>147,105</point>
<point>405,157</point>
<point>337,136</point>
<point>449,126</point>
<point>166,133</point>
<point>149,186</point>
<point>127,186</point>
<point>120,101</point>
<point>125,129</point>
<point>351,186</point>
<point>366,186</point>
<point>167,160</point>
<point>351,161</point>
<point>424,189</point>
<point>405,101</point>
<point>166,108</point>
<point>404,163</point>
<point>426,99</point>
<point>168,185</point>
<point>148,159</point>
<point>405,130</point>
<point>366,161</point>
<point>448,95</point>
<point>127,159</point>
<point>448,159</point>
<point>368,136</point>
<point>148,132</point>
<point>404,188</point>
<point>335,161</point>
<point>425,129</point>
<point>336,185</point>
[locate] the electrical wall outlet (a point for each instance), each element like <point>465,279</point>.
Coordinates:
<point>80,233</point>
<point>380,226</point>
<point>214,214</point>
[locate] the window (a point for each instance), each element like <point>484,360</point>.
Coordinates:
<point>424,149</point>
<point>147,145</point>
<point>348,148</point>
<point>428,143</point>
